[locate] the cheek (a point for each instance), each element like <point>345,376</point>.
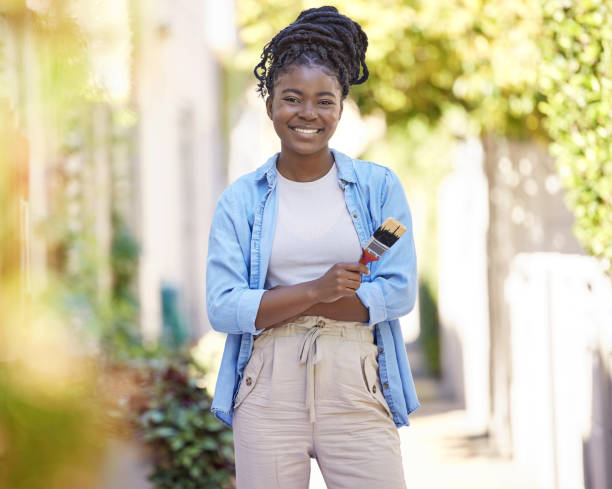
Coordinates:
<point>279,122</point>
<point>280,113</point>
<point>333,118</point>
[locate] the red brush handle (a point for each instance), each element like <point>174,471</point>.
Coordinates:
<point>366,257</point>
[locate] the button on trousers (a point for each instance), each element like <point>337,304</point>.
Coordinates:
<point>311,390</point>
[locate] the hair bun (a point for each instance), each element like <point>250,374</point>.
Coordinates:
<point>318,35</point>
<point>326,8</point>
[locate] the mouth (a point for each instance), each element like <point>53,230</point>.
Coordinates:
<point>306,130</point>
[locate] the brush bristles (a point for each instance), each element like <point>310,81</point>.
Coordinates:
<point>389,232</point>
<point>394,227</point>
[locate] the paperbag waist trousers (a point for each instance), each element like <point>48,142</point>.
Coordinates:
<point>311,390</point>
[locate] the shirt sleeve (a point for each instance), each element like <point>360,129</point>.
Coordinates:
<point>231,305</point>
<point>391,292</point>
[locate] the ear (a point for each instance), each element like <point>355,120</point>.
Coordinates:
<point>269,106</point>
<point>341,108</point>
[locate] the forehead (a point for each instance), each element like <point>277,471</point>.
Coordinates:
<point>307,78</point>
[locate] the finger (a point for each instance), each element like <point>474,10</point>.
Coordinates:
<point>356,267</point>
<point>352,276</point>
<point>352,284</point>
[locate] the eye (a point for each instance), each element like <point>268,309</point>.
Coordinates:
<point>326,102</point>
<point>291,100</point>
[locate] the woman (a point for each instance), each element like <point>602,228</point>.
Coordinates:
<point>314,362</point>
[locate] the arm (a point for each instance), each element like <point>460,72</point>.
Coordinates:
<point>392,291</point>
<point>334,293</point>
<point>231,304</point>
<point>348,308</point>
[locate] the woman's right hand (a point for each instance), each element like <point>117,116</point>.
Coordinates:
<point>341,280</point>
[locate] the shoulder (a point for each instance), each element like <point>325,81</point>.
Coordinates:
<point>364,172</point>
<point>374,177</point>
<point>378,185</point>
<point>372,169</point>
<point>244,191</point>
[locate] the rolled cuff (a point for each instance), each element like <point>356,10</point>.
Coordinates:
<point>371,296</point>
<point>247,310</point>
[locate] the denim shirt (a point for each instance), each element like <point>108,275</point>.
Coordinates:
<point>240,244</point>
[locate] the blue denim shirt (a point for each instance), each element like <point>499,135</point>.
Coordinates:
<point>239,250</point>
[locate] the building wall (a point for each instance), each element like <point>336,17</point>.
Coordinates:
<point>526,214</point>
<point>463,292</point>
<point>503,198</point>
<point>561,390</point>
<point>181,156</point>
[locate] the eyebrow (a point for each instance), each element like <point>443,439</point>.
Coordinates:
<point>298,92</point>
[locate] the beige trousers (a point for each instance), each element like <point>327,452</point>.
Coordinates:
<point>311,390</point>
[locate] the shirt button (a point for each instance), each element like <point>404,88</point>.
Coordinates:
<point>380,349</point>
<point>320,323</point>
<point>386,386</point>
<point>249,381</point>
<point>355,215</point>
<point>374,389</point>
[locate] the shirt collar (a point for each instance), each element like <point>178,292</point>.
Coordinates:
<point>346,170</point>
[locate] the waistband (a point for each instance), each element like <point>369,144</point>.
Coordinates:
<point>352,330</point>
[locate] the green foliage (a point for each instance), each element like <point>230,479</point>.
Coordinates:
<point>121,338</point>
<point>577,83</point>
<point>191,448</point>
<point>44,432</point>
<point>49,407</point>
<point>430,328</point>
<point>428,57</point>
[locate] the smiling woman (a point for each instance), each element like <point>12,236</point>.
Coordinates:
<point>314,363</point>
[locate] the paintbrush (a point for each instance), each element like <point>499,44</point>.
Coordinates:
<point>382,239</point>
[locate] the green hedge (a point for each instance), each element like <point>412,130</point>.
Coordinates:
<point>576,80</point>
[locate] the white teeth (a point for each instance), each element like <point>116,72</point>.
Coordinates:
<point>305,131</point>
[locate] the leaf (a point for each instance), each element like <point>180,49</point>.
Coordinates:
<point>164,432</point>
<point>209,443</point>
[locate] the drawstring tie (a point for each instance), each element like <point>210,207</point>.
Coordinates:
<point>310,358</point>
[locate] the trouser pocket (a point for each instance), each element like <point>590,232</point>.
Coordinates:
<point>250,376</point>
<point>369,368</point>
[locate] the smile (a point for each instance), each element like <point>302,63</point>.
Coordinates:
<point>302,130</point>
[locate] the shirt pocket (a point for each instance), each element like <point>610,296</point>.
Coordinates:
<point>250,375</point>
<point>369,368</point>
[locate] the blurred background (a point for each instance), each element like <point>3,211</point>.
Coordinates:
<point>122,121</point>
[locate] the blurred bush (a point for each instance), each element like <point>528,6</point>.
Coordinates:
<point>576,81</point>
<point>50,430</point>
<point>189,446</point>
<point>430,328</point>
<point>49,402</point>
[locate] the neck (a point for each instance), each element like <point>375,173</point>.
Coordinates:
<point>304,168</point>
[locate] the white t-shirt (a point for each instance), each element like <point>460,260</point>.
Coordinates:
<point>314,230</point>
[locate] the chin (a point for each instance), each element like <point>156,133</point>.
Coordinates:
<point>307,151</point>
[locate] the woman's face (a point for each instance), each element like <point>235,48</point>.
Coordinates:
<point>305,107</point>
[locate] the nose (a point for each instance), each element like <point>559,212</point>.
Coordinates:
<point>308,112</point>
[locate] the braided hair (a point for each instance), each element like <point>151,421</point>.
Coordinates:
<point>319,36</point>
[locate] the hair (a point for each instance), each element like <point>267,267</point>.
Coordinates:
<point>319,36</point>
